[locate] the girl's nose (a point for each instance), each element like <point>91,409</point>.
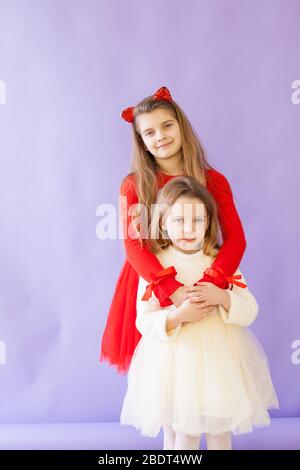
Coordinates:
<point>188,228</point>
<point>188,232</point>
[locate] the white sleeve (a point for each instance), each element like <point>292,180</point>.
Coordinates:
<point>151,318</point>
<point>243,309</point>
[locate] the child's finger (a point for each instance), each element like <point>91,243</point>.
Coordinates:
<point>195,289</point>
<point>195,294</point>
<point>197,298</point>
<point>206,307</point>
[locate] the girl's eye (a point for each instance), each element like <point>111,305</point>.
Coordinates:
<point>167,125</point>
<point>180,219</point>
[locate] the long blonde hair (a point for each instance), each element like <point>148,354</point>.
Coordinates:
<point>144,166</point>
<point>167,196</point>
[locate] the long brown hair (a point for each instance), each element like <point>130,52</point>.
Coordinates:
<point>144,166</point>
<point>167,196</point>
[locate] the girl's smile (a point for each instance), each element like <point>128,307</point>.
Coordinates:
<point>164,146</point>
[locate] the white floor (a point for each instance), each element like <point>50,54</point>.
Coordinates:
<point>284,433</point>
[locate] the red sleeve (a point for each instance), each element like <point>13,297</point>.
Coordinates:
<point>234,241</point>
<point>143,261</point>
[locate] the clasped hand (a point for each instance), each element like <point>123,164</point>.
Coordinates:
<point>196,302</point>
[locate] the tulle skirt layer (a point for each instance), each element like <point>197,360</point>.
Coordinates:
<point>213,377</point>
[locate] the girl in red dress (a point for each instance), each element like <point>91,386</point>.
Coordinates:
<point>164,146</point>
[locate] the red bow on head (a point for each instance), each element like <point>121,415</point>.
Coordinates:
<point>161,94</point>
<point>156,279</point>
<point>213,272</point>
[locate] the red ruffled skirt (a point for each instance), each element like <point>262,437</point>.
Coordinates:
<point>120,336</point>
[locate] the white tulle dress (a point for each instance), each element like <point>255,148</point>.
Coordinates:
<point>206,376</point>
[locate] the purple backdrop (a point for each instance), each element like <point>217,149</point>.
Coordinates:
<point>67,69</point>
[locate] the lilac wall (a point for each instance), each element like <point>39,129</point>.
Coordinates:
<point>67,69</point>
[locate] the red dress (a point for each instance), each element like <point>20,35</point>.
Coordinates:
<point>121,336</point>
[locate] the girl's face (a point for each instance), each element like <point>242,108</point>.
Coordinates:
<point>186,223</point>
<point>157,129</point>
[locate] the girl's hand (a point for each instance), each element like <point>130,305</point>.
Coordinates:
<point>205,292</point>
<point>192,312</point>
<point>179,296</point>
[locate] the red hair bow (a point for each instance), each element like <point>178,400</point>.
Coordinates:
<point>213,272</point>
<point>161,94</point>
<point>156,278</point>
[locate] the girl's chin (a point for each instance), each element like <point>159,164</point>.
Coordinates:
<point>186,244</point>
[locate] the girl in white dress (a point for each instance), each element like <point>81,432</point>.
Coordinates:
<point>197,368</point>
